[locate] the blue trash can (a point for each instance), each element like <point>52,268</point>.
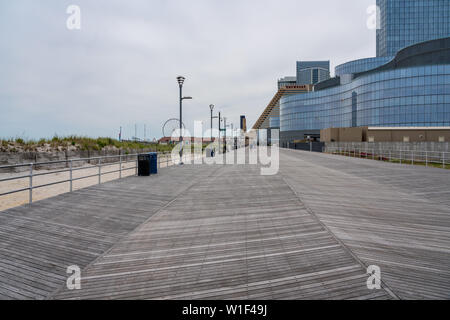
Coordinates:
<point>153,162</point>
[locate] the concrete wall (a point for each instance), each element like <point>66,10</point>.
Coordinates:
<point>357,134</point>
<point>363,134</point>
<point>351,134</point>
<point>390,146</point>
<point>380,135</point>
<point>329,135</point>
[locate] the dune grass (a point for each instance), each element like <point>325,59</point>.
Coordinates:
<point>79,142</point>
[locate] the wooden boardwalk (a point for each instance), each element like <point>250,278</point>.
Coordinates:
<point>390,215</point>
<point>239,235</point>
<point>226,232</point>
<point>38,243</point>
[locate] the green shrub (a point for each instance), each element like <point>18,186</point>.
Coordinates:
<point>86,143</point>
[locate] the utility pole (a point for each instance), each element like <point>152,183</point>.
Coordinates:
<point>145,132</point>
<point>135,132</point>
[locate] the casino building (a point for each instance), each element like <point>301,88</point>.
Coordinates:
<point>406,85</point>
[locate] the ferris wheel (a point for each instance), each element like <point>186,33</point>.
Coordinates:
<point>171,126</point>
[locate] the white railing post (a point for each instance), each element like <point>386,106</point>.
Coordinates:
<point>400,156</point>
<point>71,166</point>
<point>120,164</point>
<point>426,158</point>
<point>412,157</point>
<point>443,160</point>
<point>30,200</point>
<point>99,171</point>
<point>137,164</point>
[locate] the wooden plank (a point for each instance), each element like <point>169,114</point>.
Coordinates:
<point>390,215</point>
<point>38,243</point>
<point>238,235</point>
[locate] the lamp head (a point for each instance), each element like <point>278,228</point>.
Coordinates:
<point>211,107</point>
<point>180,80</point>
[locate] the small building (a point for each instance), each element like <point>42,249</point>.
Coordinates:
<point>243,124</point>
<point>312,72</point>
<point>187,140</point>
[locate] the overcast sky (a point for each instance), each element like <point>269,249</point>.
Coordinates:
<point>121,67</point>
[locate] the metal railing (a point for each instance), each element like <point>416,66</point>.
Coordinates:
<point>412,157</point>
<point>70,166</point>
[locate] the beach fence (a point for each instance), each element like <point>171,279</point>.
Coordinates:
<point>72,170</point>
<point>411,157</point>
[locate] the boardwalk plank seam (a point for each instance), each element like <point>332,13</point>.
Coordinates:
<point>363,265</point>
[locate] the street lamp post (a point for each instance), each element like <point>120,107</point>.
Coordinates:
<point>211,107</point>
<point>225,134</point>
<point>220,130</point>
<point>180,80</point>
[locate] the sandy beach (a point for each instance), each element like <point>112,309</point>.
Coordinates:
<point>21,198</point>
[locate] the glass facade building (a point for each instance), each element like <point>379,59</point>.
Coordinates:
<point>406,22</point>
<point>274,122</point>
<point>411,90</point>
<point>406,85</point>
<point>411,97</point>
<point>361,65</point>
<point>312,72</point>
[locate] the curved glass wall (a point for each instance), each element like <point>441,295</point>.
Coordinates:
<point>418,96</point>
<point>274,122</point>
<point>361,65</point>
<point>405,22</point>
